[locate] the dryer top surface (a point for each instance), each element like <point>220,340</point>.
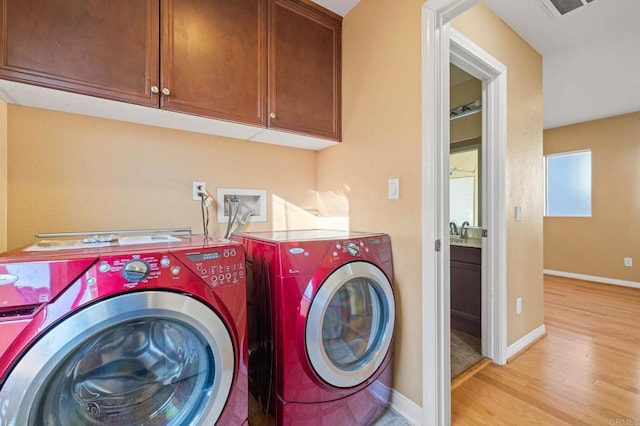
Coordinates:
<point>307,235</point>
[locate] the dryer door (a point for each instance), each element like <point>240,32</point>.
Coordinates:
<point>350,324</point>
<point>147,358</point>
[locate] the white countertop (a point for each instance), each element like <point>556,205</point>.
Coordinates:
<point>466,242</point>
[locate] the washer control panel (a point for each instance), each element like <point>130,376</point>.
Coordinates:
<point>218,266</point>
<point>134,268</point>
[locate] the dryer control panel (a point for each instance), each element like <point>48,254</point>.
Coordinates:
<point>379,247</point>
<point>303,257</point>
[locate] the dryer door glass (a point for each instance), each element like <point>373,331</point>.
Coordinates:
<point>145,358</point>
<point>350,324</point>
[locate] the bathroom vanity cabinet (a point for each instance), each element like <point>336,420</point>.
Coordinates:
<point>466,295</point>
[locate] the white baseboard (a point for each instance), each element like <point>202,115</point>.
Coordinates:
<point>601,280</point>
<point>525,341</point>
<point>406,407</point>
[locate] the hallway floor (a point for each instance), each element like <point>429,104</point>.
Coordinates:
<point>586,371</point>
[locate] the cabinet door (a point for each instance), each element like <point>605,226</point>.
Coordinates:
<point>102,48</point>
<point>214,58</point>
<point>466,297</point>
<point>304,69</point>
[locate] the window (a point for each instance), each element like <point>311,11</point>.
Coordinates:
<point>568,184</point>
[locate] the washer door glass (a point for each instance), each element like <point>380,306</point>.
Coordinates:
<point>152,371</point>
<point>147,358</point>
<point>350,324</point>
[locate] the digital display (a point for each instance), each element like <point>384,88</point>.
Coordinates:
<point>199,257</point>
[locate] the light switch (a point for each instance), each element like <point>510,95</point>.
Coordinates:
<point>394,188</point>
<point>518,213</point>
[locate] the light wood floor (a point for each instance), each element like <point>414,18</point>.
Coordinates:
<point>586,371</point>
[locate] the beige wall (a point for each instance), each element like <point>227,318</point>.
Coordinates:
<point>75,173</point>
<point>597,245</point>
<point>3,176</point>
<point>382,139</point>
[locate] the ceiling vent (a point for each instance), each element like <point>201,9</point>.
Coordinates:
<point>561,8</point>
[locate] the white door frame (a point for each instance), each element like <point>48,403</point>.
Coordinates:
<point>440,44</point>
<point>469,57</point>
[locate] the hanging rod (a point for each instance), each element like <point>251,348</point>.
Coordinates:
<point>454,170</point>
<point>464,110</point>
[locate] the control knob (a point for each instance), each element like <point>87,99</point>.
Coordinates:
<point>135,270</point>
<point>353,249</point>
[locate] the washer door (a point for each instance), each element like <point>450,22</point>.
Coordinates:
<point>148,358</point>
<point>350,324</point>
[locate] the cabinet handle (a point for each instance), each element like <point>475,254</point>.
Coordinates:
<point>272,115</point>
<point>155,90</point>
<point>166,91</point>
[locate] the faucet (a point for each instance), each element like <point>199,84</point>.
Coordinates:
<point>463,229</point>
<point>453,228</point>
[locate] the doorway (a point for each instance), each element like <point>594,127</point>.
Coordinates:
<point>442,45</point>
<point>465,219</point>
<point>493,75</point>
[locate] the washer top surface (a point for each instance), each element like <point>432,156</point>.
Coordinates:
<point>80,250</point>
<point>307,235</point>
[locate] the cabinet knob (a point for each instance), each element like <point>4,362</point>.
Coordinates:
<point>272,115</point>
<point>155,90</point>
<point>166,91</point>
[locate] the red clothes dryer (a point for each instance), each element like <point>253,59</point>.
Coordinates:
<point>146,334</point>
<point>321,312</point>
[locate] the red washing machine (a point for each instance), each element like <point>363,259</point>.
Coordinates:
<point>137,334</point>
<point>321,321</point>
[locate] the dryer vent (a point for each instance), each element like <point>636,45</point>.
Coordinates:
<point>560,8</point>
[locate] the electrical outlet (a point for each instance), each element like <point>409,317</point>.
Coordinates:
<point>628,261</point>
<point>196,189</point>
<point>519,305</point>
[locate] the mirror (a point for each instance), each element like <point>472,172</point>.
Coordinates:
<point>464,187</point>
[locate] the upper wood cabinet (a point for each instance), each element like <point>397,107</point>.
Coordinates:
<point>95,47</point>
<point>214,58</point>
<point>304,68</point>
<point>202,57</point>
